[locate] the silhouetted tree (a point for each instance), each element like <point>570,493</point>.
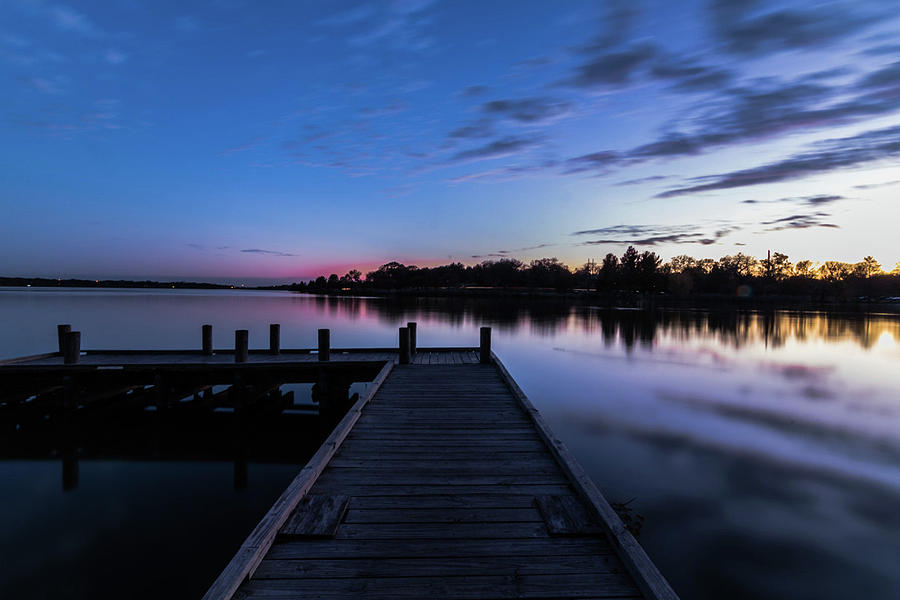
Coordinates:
<point>609,272</point>
<point>804,268</point>
<point>868,267</point>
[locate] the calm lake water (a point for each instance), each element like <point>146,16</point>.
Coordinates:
<point>763,450</point>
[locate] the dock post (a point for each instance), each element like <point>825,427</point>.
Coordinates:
<point>207,340</point>
<point>404,345</point>
<point>274,338</point>
<point>61,331</point>
<point>241,341</point>
<point>412,337</point>
<point>485,345</point>
<point>71,347</point>
<point>324,344</point>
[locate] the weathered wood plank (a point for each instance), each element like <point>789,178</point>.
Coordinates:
<point>471,461</point>
<point>450,478</point>
<point>444,515</point>
<point>437,548</point>
<point>566,515</point>
<point>469,531</point>
<point>316,516</point>
<point>593,585</point>
<point>495,501</point>
<point>334,486</point>
<point>431,567</point>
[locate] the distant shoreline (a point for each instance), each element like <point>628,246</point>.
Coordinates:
<point>43,282</point>
<point>619,299</point>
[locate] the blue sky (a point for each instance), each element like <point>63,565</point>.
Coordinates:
<point>231,140</point>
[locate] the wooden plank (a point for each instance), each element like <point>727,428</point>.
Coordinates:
<point>470,462</point>
<point>451,478</point>
<point>434,457</point>
<point>437,548</point>
<point>468,531</point>
<point>592,585</point>
<point>448,470</point>
<point>566,516</point>
<point>372,445</point>
<point>443,502</point>
<point>430,567</point>
<point>647,576</point>
<point>444,515</point>
<point>334,486</point>
<point>436,437</point>
<point>316,516</point>
<point>260,539</point>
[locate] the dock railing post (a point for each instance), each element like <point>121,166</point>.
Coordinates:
<point>274,338</point>
<point>412,337</point>
<point>61,331</point>
<point>71,347</point>
<point>485,345</point>
<point>324,344</point>
<point>404,345</point>
<point>207,340</point>
<point>241,343</point>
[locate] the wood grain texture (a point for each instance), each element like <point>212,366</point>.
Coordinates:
<point>316,516</point>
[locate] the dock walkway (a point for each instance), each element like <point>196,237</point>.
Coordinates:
<point>444,482</point>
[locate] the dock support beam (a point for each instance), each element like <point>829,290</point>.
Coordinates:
<point>71,347</point>
<point>485,345</point>
<point>324,344</point>
<point>61,331</point>
<point>241,341</point>
<point>404,345</point>
<point>274,338</point>
<point>207,340</point>
<point>412,337</point>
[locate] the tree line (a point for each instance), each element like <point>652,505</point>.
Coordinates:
<point>633,271</point>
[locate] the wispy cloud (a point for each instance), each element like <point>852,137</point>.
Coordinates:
<point>800,221</point>
<point>749,28</point>
<point>823,157</point>
<point>70,20</point>
<point>527,110</point>
<point>652,235</point>
<point>267,252</point>
<point>513,252</point>
<point>817,200</point>
<point>642,180</point>
<point>870,186</point>
<point>497,149</point>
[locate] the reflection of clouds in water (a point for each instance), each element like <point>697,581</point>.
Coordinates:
<point>854,450</point>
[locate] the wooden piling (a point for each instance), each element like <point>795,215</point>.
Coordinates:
<point>485,345</point>
<point>412,338</point>
<point>71,347</point>
<point>207,340</point>
<point>274,338</point>
<point>324,344</point>
<point>241,341</point>
<point>61,331</point>
<point>404,345</point>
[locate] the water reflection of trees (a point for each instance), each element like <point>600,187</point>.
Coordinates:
<point>549,317</point>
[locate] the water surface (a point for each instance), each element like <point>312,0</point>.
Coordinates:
<point>762,449</point>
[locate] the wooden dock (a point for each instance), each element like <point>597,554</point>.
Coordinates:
<point>441,481</point>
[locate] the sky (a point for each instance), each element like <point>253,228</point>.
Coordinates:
<point>276,141</point>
